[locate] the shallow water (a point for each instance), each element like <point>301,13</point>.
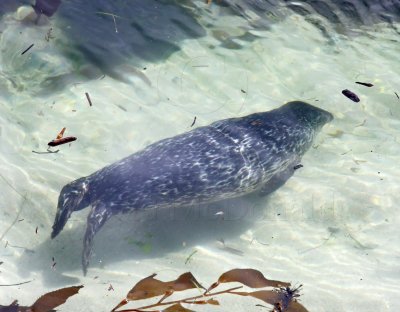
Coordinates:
<point>333,227</point>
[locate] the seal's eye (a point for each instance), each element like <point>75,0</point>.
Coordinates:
<point>256,123</point>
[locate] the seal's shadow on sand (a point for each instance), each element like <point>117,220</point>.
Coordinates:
<point>140,236</point>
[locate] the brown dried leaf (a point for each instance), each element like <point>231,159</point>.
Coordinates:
<point>55,298</point>
<point>177,308</point>
<point>251,278</point>
<point>184,282</point>
<point>150,287</point>
<point>213,301</point>
<point>147,288</point>
<point>267,296</point>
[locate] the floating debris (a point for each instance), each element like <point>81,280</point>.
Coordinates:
<point>190,257</point>
<point>16,284</point>
<point>88,98</point>
<point>49,35</point>
<point>47,152</point>
<point>361,124</point>
<point>53,265</point>
<point>397,95</point>
<point>347,152</point>
<point>194,121</point>
<point>298,167</point>
<point>60,140</point>
<point>281,297</point>
<point>229,249</point>
<point>367,84</point>
<point>45,303</point>
<point>60,134</point>
<point>27,49</point>
<point>351,95</point>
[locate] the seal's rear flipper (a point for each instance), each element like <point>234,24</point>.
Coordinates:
<point>96,219</point>
<point>73,197</point>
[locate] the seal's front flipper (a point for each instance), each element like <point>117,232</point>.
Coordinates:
<point>74,196</point>
<point>96,219</point>
<point>278,180</point>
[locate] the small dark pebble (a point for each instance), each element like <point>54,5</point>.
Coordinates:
<point>297,166</point>
<point>367,84</point>
<point>352,96</point>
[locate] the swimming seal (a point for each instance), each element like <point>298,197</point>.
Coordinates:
<point>227,159</point>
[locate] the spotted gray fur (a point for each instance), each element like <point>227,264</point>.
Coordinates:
<point>226,159</point>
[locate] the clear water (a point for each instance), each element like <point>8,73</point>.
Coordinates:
<point>334,226</point>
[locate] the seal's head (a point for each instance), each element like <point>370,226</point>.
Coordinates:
<point>73,197</point>
<point>308,114</point>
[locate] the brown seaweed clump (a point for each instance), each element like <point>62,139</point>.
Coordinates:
<point>281,297</point>
<point>45,303</point>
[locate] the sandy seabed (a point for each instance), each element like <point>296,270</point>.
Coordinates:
<point>333,227</point>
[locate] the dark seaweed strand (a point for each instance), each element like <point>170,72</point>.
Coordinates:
<point>27,49</point>
<point>88,98</point>
<point>367,84</point>
<point>351,95</point>
<point>194,121</point>
<point>61,141</point>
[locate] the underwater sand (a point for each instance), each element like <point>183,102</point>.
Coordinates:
<point>333,227</point>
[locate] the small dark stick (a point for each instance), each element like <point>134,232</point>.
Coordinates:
<point>88,98</point>
<point>367,84</point>
<point>351,95</point>
<point>27,49</point>
<point>61,141</point>
<point>194,121</point>
<point>37,228</point>
<point>397,95</point>
<point>297,166</point>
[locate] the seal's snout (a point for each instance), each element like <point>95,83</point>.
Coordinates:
<point>311,115</point>
<point>73,197</point>
<point>326,117</point>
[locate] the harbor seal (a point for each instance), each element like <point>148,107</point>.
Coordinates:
<point>227,159</point>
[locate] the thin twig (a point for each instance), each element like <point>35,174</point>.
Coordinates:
<point>20,209</point>
<point>48,152</point>
<point>178,301</point>
<point>27,49</point>
<point>16,284</point>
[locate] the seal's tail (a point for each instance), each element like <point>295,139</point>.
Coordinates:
<point>74,196</point>
<point>96,219</point>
